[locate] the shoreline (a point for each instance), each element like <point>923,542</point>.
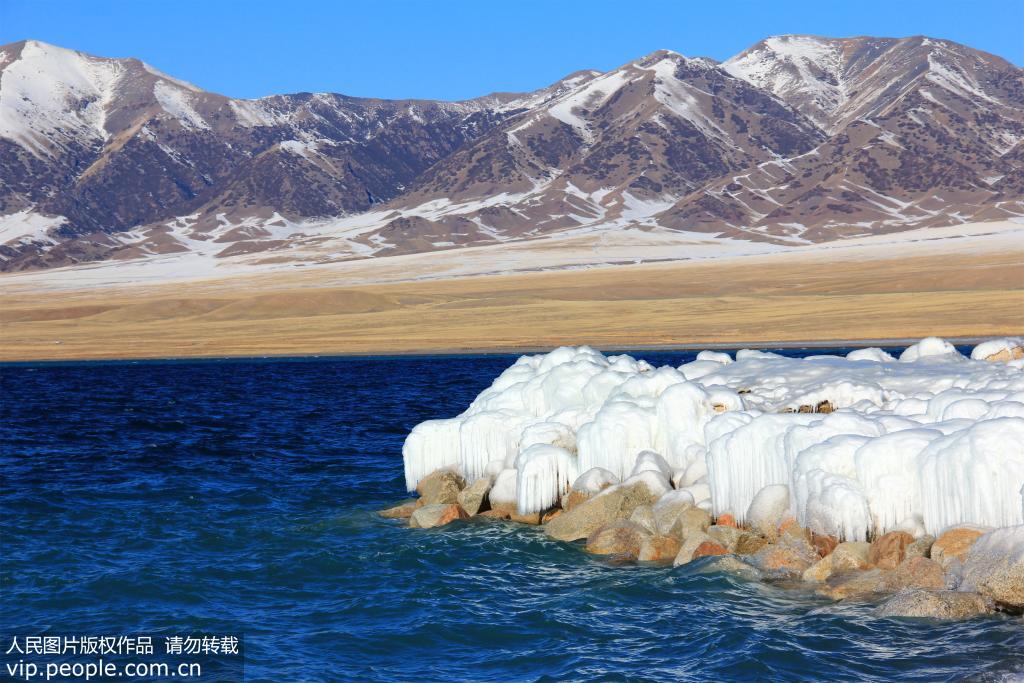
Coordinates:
<point>508,351</point>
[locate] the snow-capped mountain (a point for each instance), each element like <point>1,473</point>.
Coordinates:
<point>796,139</point>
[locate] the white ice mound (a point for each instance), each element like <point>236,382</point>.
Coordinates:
<point>861,444</point>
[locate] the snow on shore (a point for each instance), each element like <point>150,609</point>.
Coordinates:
<point>865,443</point>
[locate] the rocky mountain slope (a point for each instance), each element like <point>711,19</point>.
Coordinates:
<point>796,139</point>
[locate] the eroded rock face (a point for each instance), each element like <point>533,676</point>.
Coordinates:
<point>436,514</point>
<point>889,550</point>
<point>617,502</point>
<point>921,547</point>
<point>620,537</point>
<point>473,498</point>
<point>441,486</point>
<point>933,604</point>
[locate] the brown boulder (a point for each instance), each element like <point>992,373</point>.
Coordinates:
<point>659,548</point>
<point>954,544</point>
<point>691,521</point>
<point>749,543</point>
<point>823,544</point>
<point>436,514</point>
<point>689,546</point>
<point>888,550</point>
<point>473,498</point>
<point>726,520</point>
<point>400,511</point>
<point>550,515</point>
<point>616,502</point>
<point>921,547</point>
<point>854,582</point>
<point>708,548</point>
<point>787,559</point>
<point>574,498</point>
<point>938,604</point>
<point>620,537</point>
<point>918,572</point>
<point>440,486</point>
<point>725,536</point>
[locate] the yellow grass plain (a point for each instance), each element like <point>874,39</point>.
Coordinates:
<point>818,296</point>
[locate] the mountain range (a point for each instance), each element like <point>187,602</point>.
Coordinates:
<point>796,140</point>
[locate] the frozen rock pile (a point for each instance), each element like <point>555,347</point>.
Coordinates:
<point>805,457</point>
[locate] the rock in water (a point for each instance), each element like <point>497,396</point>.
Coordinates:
<point>619,537</point>
<point>440,486</point>
<point>918,572</point>
<point>400,511</point>
<point>855,583</point>
<point>707,549</point>
<point>474,497</point>
<point>726,536</point>
<point>845,557</point>
<point>954,545</point>
<point>689,522</point>
<point>659,548</point>
<point>436,514</point>
<point>689,546</point>
<point>888,551</point>
<point>941,604</point>
<point>616,502</point>
<point>994,567</point>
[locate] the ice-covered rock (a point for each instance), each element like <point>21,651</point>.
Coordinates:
<point>999,350</point>
<point>768,508</point>
<point>864,444</point>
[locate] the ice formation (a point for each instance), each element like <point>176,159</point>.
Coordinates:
<point>861,444</point>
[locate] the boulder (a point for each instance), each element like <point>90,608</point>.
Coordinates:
<point>888,550</point>
<point>920,548</point>
<point>845,557</point>
<point>994,567</point>
<point>619,537</point>
<point>659,548</point>
<point>768,509</point>
<point>789,558</point>
<point>436,514</point>
<point>854,583</point>
<point>749,543</point>
<point>668,508</point>
<point>500,513</point>
<point>689,522</point>
<point>550,515</point>
<point>615,502</point>
<point>644,516</point>
<point>824,544</point>
<point>726,536</point>
<point>954,544</point>
<point>918,572</point>
<point>708,548</point>
<point>575,498</point>
<point>440,486</point>
<point>730,564</point>
<point>933,604</point>
<point>726,520</point>
<point>473,498</point>
<point>689,546</point>
<point>400,511</point>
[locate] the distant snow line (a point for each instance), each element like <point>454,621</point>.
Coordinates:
<point>922,443</point>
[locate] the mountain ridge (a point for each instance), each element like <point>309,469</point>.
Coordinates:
<point>796,139</point>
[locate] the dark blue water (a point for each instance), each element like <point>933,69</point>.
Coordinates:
<point>238,497</point>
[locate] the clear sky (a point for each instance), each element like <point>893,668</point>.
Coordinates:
<point>455,50</point>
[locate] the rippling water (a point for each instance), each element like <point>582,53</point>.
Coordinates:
<point>239,497</point>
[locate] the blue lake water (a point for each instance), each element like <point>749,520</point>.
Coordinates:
<point>238,497</point>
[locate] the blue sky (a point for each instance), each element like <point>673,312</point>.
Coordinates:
<point>455,50</point>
